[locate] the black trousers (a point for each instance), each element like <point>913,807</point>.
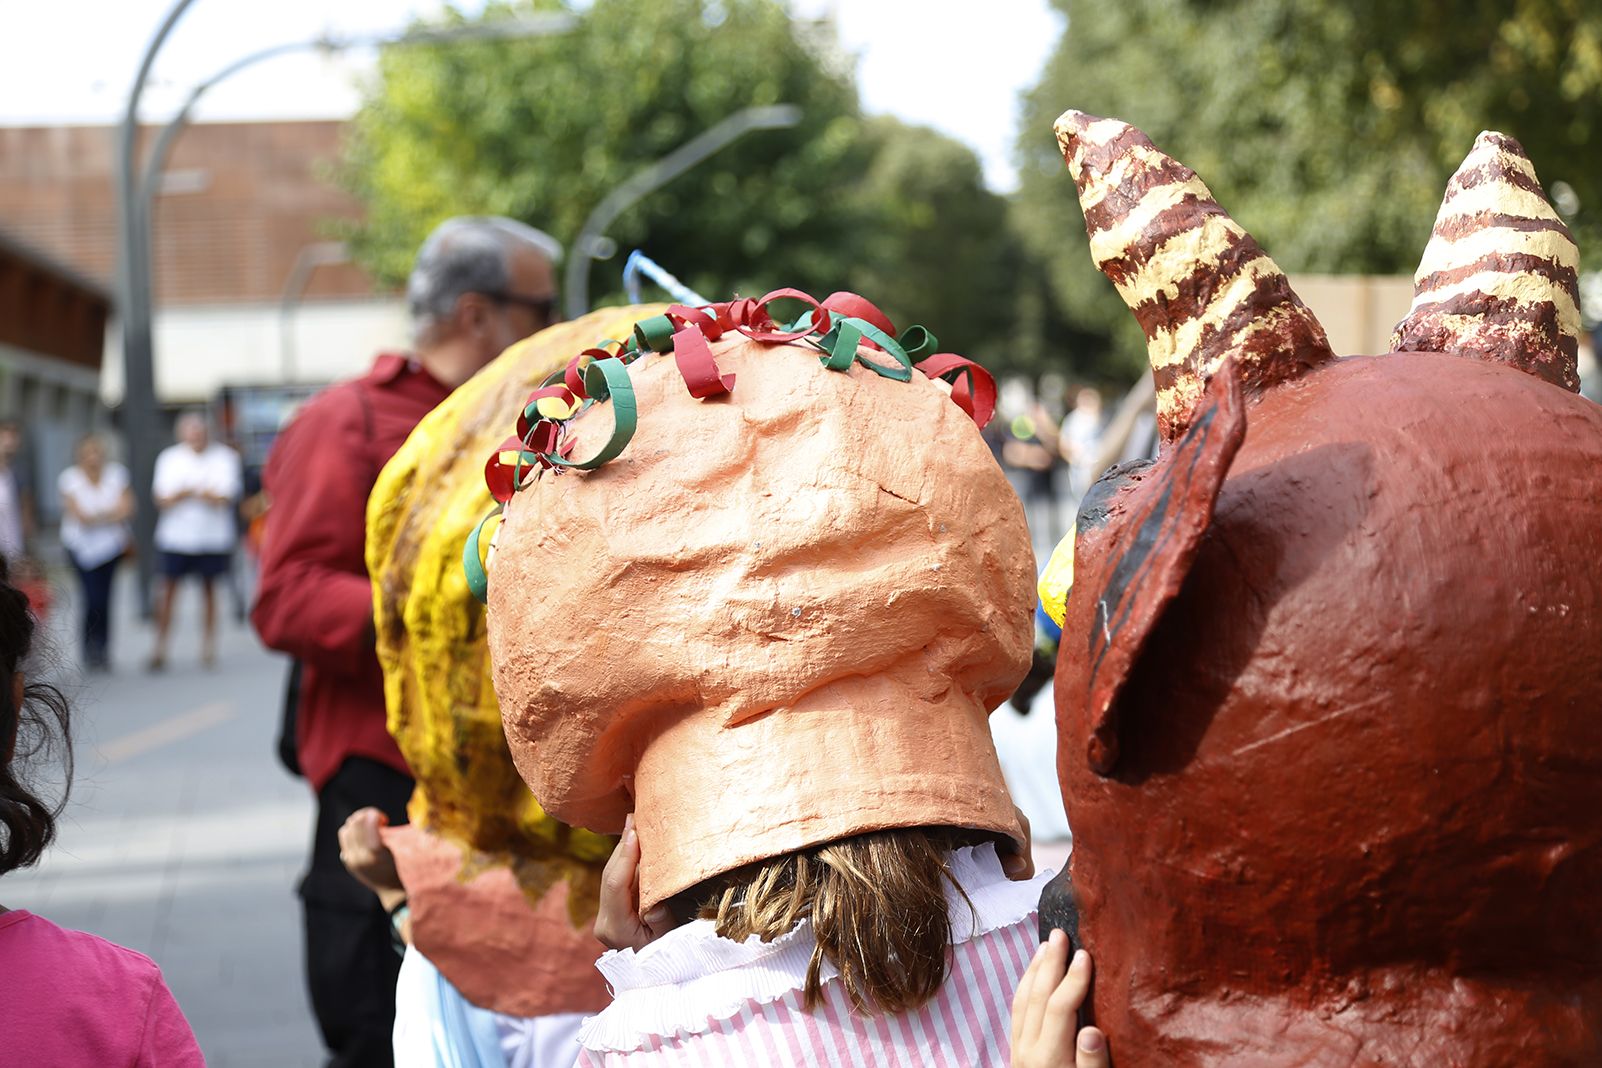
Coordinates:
<point>96,585</point>
<point>351,963</point>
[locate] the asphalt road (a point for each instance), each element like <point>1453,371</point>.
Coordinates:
<point>183,838</point>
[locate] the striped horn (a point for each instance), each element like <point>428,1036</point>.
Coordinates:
<point>1499,277</point>
<point>1198,284</point>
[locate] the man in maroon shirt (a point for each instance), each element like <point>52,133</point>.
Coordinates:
<point>479,285</point>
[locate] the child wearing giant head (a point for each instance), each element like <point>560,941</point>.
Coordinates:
<point>767,632</point>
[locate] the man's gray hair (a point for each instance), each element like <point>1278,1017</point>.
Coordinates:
<point>468,254</point>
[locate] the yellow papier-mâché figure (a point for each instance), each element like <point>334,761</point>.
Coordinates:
<point>502,896</point>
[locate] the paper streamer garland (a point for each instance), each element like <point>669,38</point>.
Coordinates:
<point>840,326</point>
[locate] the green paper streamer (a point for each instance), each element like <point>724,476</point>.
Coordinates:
<point>473,560</point>
<point>918,343</point>
<point>608,379</point>
<point>840,345</point>
<point>655,334</point>
<point>527,463</point>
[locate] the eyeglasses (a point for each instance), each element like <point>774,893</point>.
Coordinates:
<point>540,306</point>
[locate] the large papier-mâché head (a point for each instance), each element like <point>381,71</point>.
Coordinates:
<point>1330,685</point>
<point>779,616</point>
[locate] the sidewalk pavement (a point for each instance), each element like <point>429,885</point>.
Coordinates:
<point>183,837</point>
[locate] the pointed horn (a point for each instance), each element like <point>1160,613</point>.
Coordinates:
<point>1200,287</point>
<point>1499,277</point>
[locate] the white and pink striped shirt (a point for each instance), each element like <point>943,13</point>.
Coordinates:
<point>692,998</point>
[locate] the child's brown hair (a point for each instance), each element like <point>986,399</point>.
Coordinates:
<point>876,903</point>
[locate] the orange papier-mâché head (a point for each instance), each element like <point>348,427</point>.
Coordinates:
<point>782,613</point>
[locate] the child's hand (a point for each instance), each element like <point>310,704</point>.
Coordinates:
<point>1019,865</point>
<point>365,855</point>
<point>618,923</point>
<point>1045,1012</point>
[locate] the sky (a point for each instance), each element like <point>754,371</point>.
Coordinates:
<point>955,65</point>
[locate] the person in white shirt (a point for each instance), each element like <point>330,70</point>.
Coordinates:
<point>16,497</point>
<point>197,482</point>
<point>96,503</point>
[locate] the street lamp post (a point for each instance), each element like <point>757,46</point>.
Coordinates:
<point>137,200</point>
<point>307,260</point>
<point>133,298</point>
<point>520,26</point>
<point>586,246</point>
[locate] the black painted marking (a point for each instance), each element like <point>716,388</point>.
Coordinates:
<point>1094,508</point>
<point>1059,909</point>
<point>1153,533</point>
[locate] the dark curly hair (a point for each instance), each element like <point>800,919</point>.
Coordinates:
<point>29,736</point>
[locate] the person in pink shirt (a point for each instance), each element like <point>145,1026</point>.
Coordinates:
<point>71,999</point>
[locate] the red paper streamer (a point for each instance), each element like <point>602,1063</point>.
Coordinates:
<point>711,320</point>
<point>543,437</point>
<point>759,324</point>
<point>696,364</point>
<point>562,393</point>
<point>859,307</point>
<point>501,477</point>
<point>739,311</point>
<point>972,387</point>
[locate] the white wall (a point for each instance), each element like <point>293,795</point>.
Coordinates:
<point>201,348</point>
<point>1358,312</point>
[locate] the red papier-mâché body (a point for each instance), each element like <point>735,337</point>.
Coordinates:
<point>1329,693</point>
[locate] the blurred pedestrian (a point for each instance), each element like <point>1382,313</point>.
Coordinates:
<point>197,482</point>
<point>479,285</point>
<point>70,998</point>
<point>16,495</point>
<point>1081,436</point>
<point>96,504</point>
<point>1029,454</point>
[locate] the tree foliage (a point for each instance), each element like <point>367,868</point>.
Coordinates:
<point>541,129</point>
<point>1327,129</point>
<point>940,252</point>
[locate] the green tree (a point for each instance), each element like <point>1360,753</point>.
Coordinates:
<point>541,129</point>
<point>1327,129</point>
<point>939,251</point>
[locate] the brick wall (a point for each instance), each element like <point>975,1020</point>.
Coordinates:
<point>239,201</point>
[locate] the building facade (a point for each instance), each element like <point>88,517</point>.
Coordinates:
<point>52,336</point>
<point>250,285</point>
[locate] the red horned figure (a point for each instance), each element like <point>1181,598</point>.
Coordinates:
<point>1329,696</point>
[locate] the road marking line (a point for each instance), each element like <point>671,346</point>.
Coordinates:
<point>184,725</point>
